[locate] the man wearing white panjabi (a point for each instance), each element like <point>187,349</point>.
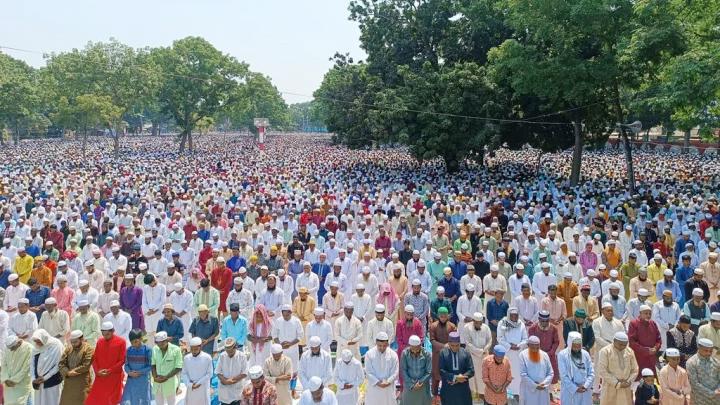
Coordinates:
<point>536,374</point>
<point>196,372</point>
<point>24,322</point>
<point>604,329</point>
<point>467,305</point>
<point>576,372</point>
<point>381,368</point>
<point>315,362</point>
<point>379,324</point>
<point>153,299</point>
<point>363,309</point>
<point>287,331</point>
<point>512,334</point>
<point>348,375</point>
<point>317,393</point>
<point>477,338</point>
<point>44,370</point>
<point>231,372</point>
<point>321,328</point>
<point>348,331</point>
<point>666,313</point>
<point>182,301</point>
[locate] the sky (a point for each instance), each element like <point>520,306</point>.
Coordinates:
<point>288,40</point>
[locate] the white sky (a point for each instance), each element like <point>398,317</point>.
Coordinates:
<point>289,40</point>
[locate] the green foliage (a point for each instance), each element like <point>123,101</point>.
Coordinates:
<point>257,98</point>
<point>306,115</point>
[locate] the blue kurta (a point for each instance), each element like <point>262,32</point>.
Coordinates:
<point>137,389</point>
<point>575,373</point>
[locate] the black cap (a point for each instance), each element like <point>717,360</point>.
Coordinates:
<point>234,307</point>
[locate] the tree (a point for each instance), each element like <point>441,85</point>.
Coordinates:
<point>198,82</point>
<point>20,96</point>
<point>89,112</point>
<point>307,115</point>
<point>257,97</point>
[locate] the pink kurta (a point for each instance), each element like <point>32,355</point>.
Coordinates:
<point>558,313</point>
<point>64,298</point>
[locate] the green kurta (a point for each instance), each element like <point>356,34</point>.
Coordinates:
<point>164,364</point>
<point>89,324</point>
<point>15,367</point>
<point>436,273</point>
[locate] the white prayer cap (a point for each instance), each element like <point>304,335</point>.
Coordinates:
<point>416,282</point>
<point>366,270</point>
<point>196,341</point>
<point>421,263</point>
<point>667,272</point>
<point>107,326</point>
<point>168,306</point>
<point>414,340</point>
<point>379,308</point>
<point>76,334</point>
<point>346,355</point>
<point>82,303</point>
<point>591,273</point>
<point>314,341</point>
<point>533,340</point>
<point>62,263</point>
<point>161,337</point>
<point>513,310</point>
<point>360,286</point>
<point>349,305</point>
<point>645,308</point>
<point>643,292</point>
<point>50,301</point>
<point>256,372</point>
<point>315,383</point>
<point>286,307</point>
<point>334,284</point>
<point>614,286</point>
<point>395,256</point>
<point>699,271</point>
<point>672,352</point>
<point>437,255</point>
<point>337,262</point>
<point>276,348</point>
<point>478,316</point>
<point>706,343</point>
<point>237,281</point>
<point>657,257</point>
<point>243,270</point>
<point>24,301</point>
<point>621,336</point>
<point>613,273</point>
<point>178,286</point>
<point>470,287</point>
<point>11,340</point>
<point>409,308</point>
<point>606,305</point>
<point>319,311</point>
<point>646,372</point>
<point>142,266</point>
<point>382,336</point>
<point>114,303</point>
<point>440,290</point>
<point>61,277</point>
<point>89,263</point>
<point>697,292</point>
<point>13,277</point>
<point>567,274</point>
<point>715,316</point>
<point>128,276</point>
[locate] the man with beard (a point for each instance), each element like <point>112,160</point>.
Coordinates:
<point>580,324</point>
<point>348,376</point>
<point>536,374</point>
<point>512,335</point>
<point>665,313</point>
<point>456,370</point>
<point>273,297</point>
<point>673,379</point>
<point>439,333</point>
<point>704,374</point>
<point>381,368</point>
<point>416,370</point>
<point>317,394</point>
<point>576,372</point>
<point>477,339</point>
<point>548,335</point>
<point>604,329</point>
<point>75,366</point>
<point>618,369</point>
<point>644,339</point>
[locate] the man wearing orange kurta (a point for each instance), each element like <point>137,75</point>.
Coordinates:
<point>567,290</point>
<point>41,273</point>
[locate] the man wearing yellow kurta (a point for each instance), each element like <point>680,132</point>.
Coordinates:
<point>303,308</point>
<point>278,371</point>
<point>23,266</point>
<point>15,371</point>
<point>618,369</point>
<point>656,269</point>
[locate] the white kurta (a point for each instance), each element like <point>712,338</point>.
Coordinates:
<point>466,307</point>
<point>287,331</point>
<point>321,329</point>
<point>183,303</point>
<point>665,317</point>
<point>153,298</point>
<point>532,374</point>
<point>374,327</point>
<point>122,323</point>
<point>310,366</point>
<point>348,373</point>
<point>507,336</point>
<point>22,324</point>
<point>348,331</point>
<point>230,367</point>
<point>381,367</point>
<point>57,324</point>
<point>197,370</point>
<point>477,343</point>
<point>365,309</point>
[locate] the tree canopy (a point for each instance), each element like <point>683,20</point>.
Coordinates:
<point>112,87</point>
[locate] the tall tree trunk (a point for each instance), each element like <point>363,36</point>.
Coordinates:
<point>452,165</point>
<point>577,153</point>
<point>190,142</point>
<point>626,140</point>
<point>686,142</point>
<point>116,144</point>
<point>183,139</point>
<point>155,128</point>
<point>17,134</point>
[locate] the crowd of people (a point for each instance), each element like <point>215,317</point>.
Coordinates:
<point>309,272</point>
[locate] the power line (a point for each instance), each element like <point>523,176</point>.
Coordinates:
<point>334,100</point>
